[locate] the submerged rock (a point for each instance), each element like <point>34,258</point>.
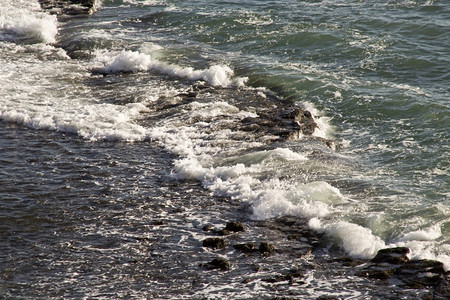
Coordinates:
<point>245,248</point>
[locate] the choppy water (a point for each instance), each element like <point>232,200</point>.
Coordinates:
<point>88,162</point>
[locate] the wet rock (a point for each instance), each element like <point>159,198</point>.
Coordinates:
<point>245,248</point>
<point>218,263</point>
<point>207,228</point>
<point>421,273</point>
<point>214,243</point>
<point>442,290</point>
<point>232,227</point>
<point>291,276</point>
<point>69,7</point>
<point>266,248</point>
<point>235,226</point>
<point>377,271</point>
<point>224,232</point>
<point>348,261</point>
<point>158,223</point>
<point>396,256</point>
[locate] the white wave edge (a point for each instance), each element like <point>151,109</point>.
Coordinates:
<point>360,242</point>
<point>134,61</point>
<point>25,19</point>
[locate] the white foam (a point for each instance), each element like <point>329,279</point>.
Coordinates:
<point>43,89</point>
<point>324,128</point>
<point>133,61</point>
<point>358,241</point>
<point>24,19</point>
<point>431,234</point>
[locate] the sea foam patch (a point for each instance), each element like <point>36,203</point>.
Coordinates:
<point>134,61</point>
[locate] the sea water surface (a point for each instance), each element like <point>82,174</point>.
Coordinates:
<point>87,162</point>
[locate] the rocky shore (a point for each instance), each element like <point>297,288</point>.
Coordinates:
<point>389,275</point>
<point>263,250</point>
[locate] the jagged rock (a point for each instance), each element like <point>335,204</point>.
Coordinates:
<point>396,256</point>
<point>266,248</point>
<point>215,243</point>
<point>245,248</point>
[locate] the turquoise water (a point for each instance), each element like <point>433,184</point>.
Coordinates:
<point>374,74</point>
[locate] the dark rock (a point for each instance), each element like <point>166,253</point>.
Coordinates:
<point>442,290</point>
<point>377,271</point>
<point>396,256</point>
<point>421,273</point>
<point>247,280</point>
<point>207,228</point>
<point>245,248</point>
<point>218,263</point>
<point>266,248</point>
<point>224,232</point>
<point>348,261</point>
<point>235,227</point>
<point>158,223</point>
<point>69,7</point>
<point>215,243</point>
<point>290,277</point>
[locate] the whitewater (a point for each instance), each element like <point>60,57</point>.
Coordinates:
<point>141,100</point>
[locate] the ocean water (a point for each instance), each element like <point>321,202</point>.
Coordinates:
<point>89,161</point>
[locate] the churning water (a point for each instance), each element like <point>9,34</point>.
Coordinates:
<point>88,160</point>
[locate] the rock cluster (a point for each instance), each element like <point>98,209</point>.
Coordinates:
<point>265,248</point>
<point>419,274</point>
